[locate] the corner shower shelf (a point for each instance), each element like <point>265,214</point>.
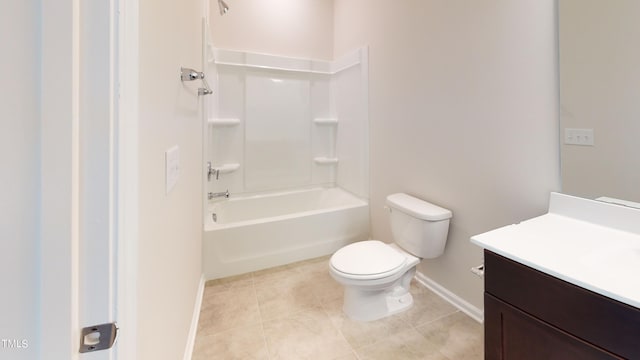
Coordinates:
<point>223,122</point>
<point>325,121</point>
<point>322,160</point>
<point>226,168</point>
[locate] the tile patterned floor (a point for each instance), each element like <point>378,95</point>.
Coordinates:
<point>294,312</point>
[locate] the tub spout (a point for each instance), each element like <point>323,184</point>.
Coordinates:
<point>213,195</point>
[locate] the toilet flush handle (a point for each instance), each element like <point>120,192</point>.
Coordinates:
<point>387,208</point>
<point>478,270</point>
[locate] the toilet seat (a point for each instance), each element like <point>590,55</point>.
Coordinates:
<point>367,260</point>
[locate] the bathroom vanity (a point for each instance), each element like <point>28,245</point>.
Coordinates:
<point>565,285</point>
<point>531,315</point>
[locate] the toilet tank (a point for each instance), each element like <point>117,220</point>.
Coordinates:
<point>417,226</point>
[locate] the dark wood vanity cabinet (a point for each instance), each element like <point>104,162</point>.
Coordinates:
<point>532,315</point>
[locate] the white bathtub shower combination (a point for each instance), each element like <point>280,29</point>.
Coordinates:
<point>265,230</point>
<point>277,123</point>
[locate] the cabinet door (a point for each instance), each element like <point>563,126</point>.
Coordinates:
<point>592,317</point>
<point>511,334</point>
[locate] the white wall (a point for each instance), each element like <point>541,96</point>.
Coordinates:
<point>20,173</point>
<point>295,28</point>
<point>463,113</point>
<point>600,82</point>
<point>169,265</point>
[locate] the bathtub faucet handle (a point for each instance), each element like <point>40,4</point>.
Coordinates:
<point>211,170</point>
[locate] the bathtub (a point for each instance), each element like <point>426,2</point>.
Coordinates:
<point>248,233</point>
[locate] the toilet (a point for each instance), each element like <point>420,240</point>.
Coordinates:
<point>376,275</point>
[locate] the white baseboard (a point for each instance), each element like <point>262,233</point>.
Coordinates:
<point>191,340</point>
<point>474,312</point>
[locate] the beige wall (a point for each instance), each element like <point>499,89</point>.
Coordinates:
<point>600,83</point>
<point>170,225</point>
<point>463,113</point>
<point>462,106</point>
<point>20,173</point>
<point>295,28</point>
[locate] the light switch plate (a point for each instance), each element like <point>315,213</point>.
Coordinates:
<point>172,167</point>
<point>582,137</point>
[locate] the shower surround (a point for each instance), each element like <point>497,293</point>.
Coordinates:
<point>277,126</point>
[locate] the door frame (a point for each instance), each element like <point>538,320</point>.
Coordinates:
<point>60,213</point>
<point>127,73</point>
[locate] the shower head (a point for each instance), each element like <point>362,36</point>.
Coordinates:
<point>223,7</point>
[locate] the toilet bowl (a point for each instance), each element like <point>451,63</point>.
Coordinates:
<point>376,275</point>
<point>377,283</point>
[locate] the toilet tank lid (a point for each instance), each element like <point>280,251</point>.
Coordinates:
<point>417,207</point>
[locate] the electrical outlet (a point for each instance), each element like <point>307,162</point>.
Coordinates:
<point>582,137</point>
<point>172,167</point>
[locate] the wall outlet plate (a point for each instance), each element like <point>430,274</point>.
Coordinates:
<point>172,168</point>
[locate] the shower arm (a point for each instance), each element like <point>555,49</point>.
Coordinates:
<point>224,8</point>
<point>207,89</point>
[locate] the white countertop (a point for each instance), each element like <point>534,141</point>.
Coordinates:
<point>587,243</point>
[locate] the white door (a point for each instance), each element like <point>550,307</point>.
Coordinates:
<point>81,177</point>
<point>89,167</point>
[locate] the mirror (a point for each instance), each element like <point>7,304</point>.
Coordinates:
<point>600,98</point>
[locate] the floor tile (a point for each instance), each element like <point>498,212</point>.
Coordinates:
<point>326,288</point>
<point>360,334</point>
<point>242,343</point>
<point>457,336</point>
<point>229,283</point>
<point>406,345</point>
<point>305,335</point>
<point>224,310</point>
<point>295,312</point>
<point>286,298</point>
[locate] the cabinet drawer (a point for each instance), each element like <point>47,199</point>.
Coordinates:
<point>594,318</point>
